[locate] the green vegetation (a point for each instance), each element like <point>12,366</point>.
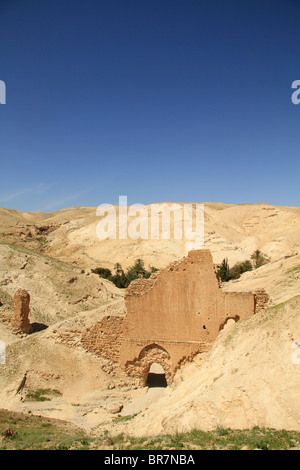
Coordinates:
<point>239,268</point>
<point>259,259</point>
<point>225,273</point>
<point>25,432</point>
<point>294,270</point>
<point>137,271</point>
<point>19,431</point>
<point>43,394</point>
<point>122,279</point>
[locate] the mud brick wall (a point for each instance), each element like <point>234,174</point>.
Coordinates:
<point>170,317</point>
<point>104,338</point>
<point>238,305</point>
<point>182,306</point>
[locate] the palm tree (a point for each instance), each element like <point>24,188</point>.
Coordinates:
<point>118,269</point>
<point>258,259</point>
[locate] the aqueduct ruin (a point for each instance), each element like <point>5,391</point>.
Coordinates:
<point>175,314</point>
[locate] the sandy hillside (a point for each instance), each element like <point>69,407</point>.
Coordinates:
<point>65,301</point>
<point>58,290</point>
<point>280,279</point>
<point>86,387</point>
<point>232,231</point>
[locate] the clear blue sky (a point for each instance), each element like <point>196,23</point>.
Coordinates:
<point>159,100</point>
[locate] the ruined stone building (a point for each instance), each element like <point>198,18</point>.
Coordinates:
<point>170,317</point>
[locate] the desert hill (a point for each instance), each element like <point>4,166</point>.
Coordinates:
<point>232,231</point>
<point>280,279</point>
<point>58,290</point>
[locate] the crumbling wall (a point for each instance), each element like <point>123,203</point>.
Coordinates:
<point>170,317</point>
<point>238,305</point>
<point>137,364</point>
<point>181,308</point>
<point>105,337</point>
<point>177,304</point>
<point>261,300</point>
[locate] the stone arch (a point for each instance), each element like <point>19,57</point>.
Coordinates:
<point>228,321</point>
<point>140,366</point>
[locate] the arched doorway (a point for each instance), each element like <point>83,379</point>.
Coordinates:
<point>156,376</point>
<point>150,354</point>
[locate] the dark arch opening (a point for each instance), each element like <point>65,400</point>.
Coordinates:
<point>156,376</point>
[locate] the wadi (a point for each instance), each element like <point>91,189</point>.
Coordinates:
<point>201,339</point>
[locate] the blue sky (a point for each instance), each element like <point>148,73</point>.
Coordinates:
<point>159,100</point>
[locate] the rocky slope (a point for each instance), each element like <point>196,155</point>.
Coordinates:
<point>280,279</point>
<point>58,290</point>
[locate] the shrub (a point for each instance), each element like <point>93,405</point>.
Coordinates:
<point>239,268</point>
<point>122,279</point>
<point>102,272</point>
<point>225,273</point>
